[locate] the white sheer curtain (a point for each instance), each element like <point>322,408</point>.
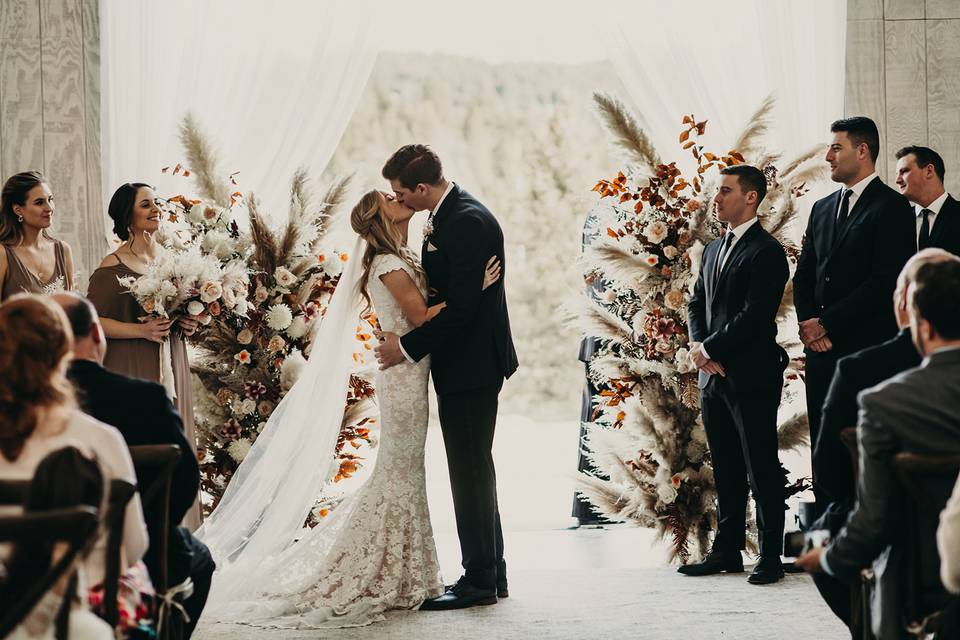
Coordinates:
<point>273,84</point>
<point>719,60</point>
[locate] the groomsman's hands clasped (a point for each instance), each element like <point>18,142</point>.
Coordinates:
<point>700,360</point>
<point>814,335</point>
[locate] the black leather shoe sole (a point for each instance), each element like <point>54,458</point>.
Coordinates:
<point>502,592</point>
<point>765,577</point>
<point>450,601</point>
<point>698,571</point>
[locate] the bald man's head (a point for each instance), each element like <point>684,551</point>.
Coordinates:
<point>89,341</point>
<point>908,276</point>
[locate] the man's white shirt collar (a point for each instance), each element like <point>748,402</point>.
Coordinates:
<point>860,186</point>
<point>934,207</point>
<point>741,229</point>
<point>449,188</point>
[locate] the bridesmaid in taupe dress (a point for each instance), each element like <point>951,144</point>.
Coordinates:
<point>31,260</point>
<point>134,340</point>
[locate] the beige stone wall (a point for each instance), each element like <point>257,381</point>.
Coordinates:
<point>903,70</point>
<point>50,112</point>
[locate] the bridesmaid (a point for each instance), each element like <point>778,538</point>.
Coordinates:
<point>31,261</point>
<point>134,340</point>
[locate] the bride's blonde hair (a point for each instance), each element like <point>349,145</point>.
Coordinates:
<point>369,222</point>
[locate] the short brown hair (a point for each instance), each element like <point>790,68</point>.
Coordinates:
<point>414,164</point>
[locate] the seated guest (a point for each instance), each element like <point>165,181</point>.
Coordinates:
<point>38,414</point>
<point>143,413</point>
<point>65,478</point>
<point>914,411</point>
<point>853,374</point>
<point>920,172</point>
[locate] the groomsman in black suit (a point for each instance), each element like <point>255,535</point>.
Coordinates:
<point>856,242</point>
<point>920,172</point>
<point>733,333</point>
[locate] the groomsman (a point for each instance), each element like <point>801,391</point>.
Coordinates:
<point>856,242</point>
<point>920,172</point>
<point>733,332</point>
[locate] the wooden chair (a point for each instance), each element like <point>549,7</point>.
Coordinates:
<point>159,461</point>
<point>13,492</point>
<point>916,472</point>
<point>77,526</point>
<point>121,492</point>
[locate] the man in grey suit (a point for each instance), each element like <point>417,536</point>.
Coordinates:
<point>915,411</point>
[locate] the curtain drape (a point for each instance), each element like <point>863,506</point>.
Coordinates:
<point>272,84</point>
<point>719,60</point>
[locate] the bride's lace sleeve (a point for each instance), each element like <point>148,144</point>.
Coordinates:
<point>386,263</point>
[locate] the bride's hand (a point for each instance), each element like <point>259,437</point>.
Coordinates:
<point>492,272</point>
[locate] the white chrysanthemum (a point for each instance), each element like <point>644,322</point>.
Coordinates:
<point>238,449</point>
<point>245,407</point>
<point>297,328</point>
<point>196,213</point>
<point>284,278</point>
<point>291,368</point>
<point>279,317</point>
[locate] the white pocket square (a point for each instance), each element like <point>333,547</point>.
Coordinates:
<point>430,247</point>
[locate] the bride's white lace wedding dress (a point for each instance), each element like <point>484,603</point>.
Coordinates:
<point>375,551</point>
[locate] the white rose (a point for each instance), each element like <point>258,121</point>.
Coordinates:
<point>245,336</point>
<point>655,232</point>
<point>261,294</point>
<point>279,317</point>
<point>682,359</point>
<point>245,408</point>
<point>666,492</point>
<point>195,307</point>
<point>210,291</point>
<point>284,278</point>
<point>670,252</point>
<point>297,328</point>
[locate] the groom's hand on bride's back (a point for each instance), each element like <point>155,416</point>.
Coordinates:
<point>388,351</point>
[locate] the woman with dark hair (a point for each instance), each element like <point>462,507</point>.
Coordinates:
<point>134,338</point>
<point>65,478</point>
<point>31,261</point>
<point>38,413</point>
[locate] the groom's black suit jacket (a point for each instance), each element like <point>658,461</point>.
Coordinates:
<point>846,276</point>
<point>469,341</point>
<point>735,315</point>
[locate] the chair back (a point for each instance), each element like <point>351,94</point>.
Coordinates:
<point>159,461</point>
<point>121,492</point>
<point>13,492</point>
<point>917,474</point>
<point>77,526</point>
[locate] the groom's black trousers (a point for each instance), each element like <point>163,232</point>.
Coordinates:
<point>468,420</point>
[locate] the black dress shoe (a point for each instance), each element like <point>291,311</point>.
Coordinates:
<point>461,596</point>
<point>715,562</point>
<point>767,571</point>
<point>502,590</point>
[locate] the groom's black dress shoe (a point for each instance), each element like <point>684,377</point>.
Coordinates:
<point>502,590</point>
<point>461,596</point>
<point>715,562</point>
<point>767,571</point>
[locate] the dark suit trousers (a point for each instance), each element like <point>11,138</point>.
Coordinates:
<point>468,420</point>
<point>819,374</point>
<point>742,434</point>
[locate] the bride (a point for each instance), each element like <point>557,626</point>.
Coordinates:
<point>375,551</point>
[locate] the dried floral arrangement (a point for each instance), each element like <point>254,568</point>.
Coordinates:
<point>654,222</point>
<point>258,295</point>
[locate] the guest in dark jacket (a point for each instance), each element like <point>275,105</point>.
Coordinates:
<point>920,172</point>
<point>144,415</point>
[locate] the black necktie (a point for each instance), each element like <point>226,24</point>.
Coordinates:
<point>923,240</point>
<point>844,209</point>
<point>724,248</point>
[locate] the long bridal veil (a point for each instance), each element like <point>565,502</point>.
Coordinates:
<point>267,501</point>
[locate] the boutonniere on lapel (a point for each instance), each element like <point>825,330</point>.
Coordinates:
<point>428,226</point>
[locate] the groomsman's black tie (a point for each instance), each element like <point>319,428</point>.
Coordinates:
<point>844,209</point>
<point>724,248</point>
<point>923,241</point>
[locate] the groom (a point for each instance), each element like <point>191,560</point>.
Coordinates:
<point>471,353</point>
